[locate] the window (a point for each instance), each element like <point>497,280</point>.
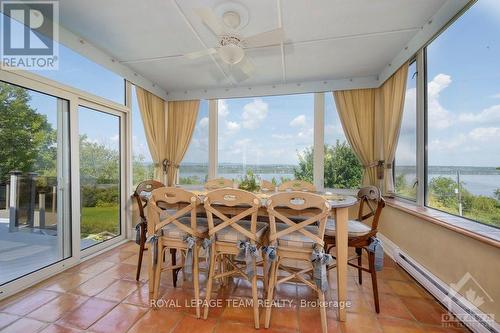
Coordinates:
<point>270,137</point>
<point>341,166</point>
<point>142,163</point>
<point>194,166</point>
<point>99,176</point>
<point>34,181</point>
<point>77,71</point>
<point>405,161</point>
<point>463,117</point>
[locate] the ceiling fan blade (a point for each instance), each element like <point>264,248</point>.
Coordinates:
<point>201,53</point>
<point>247,66</point>
<point>243,70</point>
<point>211,20</point>
<point>271,37</point>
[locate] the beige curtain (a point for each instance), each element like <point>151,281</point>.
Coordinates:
<point>359,111</point>
<point>356,110</point>
<point>154,119</point>
<point>181,122</point>
<point>393,99</point>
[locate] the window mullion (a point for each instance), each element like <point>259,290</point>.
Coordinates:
<point>319,140</point>
<point>421,161</point>
<point>212,138</point>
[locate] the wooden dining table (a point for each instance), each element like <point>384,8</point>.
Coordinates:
<point>339,205</point>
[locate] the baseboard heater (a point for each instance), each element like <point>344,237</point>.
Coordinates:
<point>459,306</point>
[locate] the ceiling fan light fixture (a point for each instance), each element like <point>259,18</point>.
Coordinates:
<point>231,54</point>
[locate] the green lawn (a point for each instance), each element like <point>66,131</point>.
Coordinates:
<point>96,220</point>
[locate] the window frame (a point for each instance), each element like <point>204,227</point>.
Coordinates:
<point>422,152</point>
<point>411,61</point>
<point>75,98</point>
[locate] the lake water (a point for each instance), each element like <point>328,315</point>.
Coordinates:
<point>475,184</point>
<point>477,180</point>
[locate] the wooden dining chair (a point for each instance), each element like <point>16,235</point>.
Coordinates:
<point>235,240</point>
<point>172,218</point>
<point>297,242</point>
<point>267,186</point>
<point>360,235</point>
<point>216,183</point>
<point>297,185</point>
<point>141,195</point>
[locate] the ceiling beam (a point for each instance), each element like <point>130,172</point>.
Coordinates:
<point>276,89</point>
<point>282,47</point>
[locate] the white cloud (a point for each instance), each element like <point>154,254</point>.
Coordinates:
<point>203,123</point>
<point>406,153</point>
<point>449,144</point>
<point>439,117</point>
<point>282,136</point>
<point>243,142</point>
<point>491,114</point>
<point>222,108</point>
<point>232,127</point>
<point>485,134</point>
<point>495,95</point>
<point>409,122</point>
<point>470,142</point>
<point>306,133</point>
<point>115,138</point>
<point>299,121</point>
<point>254,113</point>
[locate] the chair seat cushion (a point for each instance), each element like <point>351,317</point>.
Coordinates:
<point>229,234</point>
<point>172,231</point>
<point>296,238</point>
<point>354,228</point>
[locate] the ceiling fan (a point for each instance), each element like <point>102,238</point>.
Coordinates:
<point>231,45</point>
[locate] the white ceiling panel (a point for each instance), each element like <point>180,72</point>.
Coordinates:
<point>130,29</point>
<point>306,20</point>
<point>324,39</point>
<point>344,58</point>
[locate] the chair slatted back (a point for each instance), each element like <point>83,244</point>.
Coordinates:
<point>298,201</point>
<point>144,187</point>
<point>217,183</point>
<point>245,203</point>
<point>168,197</point>
<point>371,197</point>
<point>297,185</point>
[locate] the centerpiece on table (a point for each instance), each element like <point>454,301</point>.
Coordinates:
<point>250,182</point>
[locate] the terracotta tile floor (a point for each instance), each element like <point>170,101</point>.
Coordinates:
<point>101,295</point>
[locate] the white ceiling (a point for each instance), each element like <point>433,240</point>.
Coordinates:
<point>325,39</point>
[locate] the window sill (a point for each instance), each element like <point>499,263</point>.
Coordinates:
<point>478,231</point>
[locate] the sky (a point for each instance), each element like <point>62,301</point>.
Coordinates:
<point>463,109</point>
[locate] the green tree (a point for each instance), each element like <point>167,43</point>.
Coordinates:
<point>141,170</point>
<point>342,167</point>
<point>27,138</point>
<point>99,164</point>
<point>443,195</point>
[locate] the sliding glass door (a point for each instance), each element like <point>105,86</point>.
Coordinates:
<point>100,176</point>
<point>35,216</point>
